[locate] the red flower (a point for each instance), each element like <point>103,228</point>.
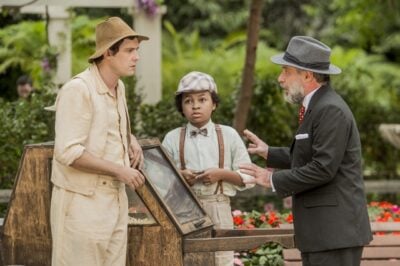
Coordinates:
<point>289,219</point>
<point>385,204</point>
<point>272,219</point>
<point>237,220</point>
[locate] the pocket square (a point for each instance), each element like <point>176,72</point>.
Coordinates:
<point>301,136</point>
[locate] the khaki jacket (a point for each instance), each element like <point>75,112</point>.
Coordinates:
<point>81,124</point>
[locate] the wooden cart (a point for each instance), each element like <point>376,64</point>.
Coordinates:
<point>167,224</point>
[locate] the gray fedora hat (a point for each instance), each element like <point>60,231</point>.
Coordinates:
<point>307,53</point>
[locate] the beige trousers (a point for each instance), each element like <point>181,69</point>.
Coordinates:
<point>90,230</point>
<point>218,207</point>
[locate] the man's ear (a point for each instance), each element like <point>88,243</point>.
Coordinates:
<point>107,53</point>
<point>308,75</point>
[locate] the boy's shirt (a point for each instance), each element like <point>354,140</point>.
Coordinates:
<point>202,152</point>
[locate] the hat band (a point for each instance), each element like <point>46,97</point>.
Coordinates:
<point>317,65</point>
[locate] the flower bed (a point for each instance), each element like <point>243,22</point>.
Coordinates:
<point>271,254</point>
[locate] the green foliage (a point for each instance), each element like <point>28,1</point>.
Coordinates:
<point>158,119</point>
<point>23,122</point>
<point>24,46</point>
<point>210,18</point>
<point>84,42</point>
<point>271,118</point>
<point>183,53</point>
<point>357,23</point>
<point>371,88</point>
<point>363,20</point>
<point>268,255</point>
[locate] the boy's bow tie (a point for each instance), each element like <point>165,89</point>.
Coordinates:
<point>194,133</point>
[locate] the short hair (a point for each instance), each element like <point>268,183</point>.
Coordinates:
<point>114,48</point>
<point>319,77</point>
<point>24,79</point>
<point>178,101</point>
<point>322,78</point>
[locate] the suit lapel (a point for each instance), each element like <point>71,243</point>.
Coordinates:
<point>314,101</point>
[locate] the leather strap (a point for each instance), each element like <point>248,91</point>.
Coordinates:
<point>182,148</point>
<point>221,151</point>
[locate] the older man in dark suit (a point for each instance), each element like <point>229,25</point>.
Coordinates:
<point>322,167</point>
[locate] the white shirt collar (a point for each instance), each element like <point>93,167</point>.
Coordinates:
<point>307,98</point>
<point>209,126</point>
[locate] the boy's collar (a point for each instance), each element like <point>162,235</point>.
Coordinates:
<point>209,126</point>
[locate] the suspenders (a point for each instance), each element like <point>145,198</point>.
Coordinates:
<point>220,151</point>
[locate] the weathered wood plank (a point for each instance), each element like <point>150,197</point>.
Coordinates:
<point>383,249</point>
<point>385,226</point>
<point>293,263</point>
<point>251,232</point>
<point>5,195</point>
<point>26,229</point>
<point>291,254</point>
<point>380,263</point>
<point>381,252</point>
<point>199,258</point>
<point>369,252</point>
<point>385,240</point>
<point>154,245</point>
<point>234,243</point>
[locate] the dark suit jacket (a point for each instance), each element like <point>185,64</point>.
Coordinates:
<point>323,174</point>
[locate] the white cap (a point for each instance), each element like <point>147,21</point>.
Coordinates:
<point>196,81</point>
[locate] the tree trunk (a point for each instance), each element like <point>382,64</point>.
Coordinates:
<point>246,90</point>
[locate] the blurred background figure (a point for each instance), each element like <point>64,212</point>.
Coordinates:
<point>24,86</point>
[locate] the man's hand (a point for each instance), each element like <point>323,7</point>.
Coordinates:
<point>261,175</point>
<point>135,154</point>
<point>256,145</point>
<point>131,177</point>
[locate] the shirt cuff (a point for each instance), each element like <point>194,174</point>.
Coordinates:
<point>68,155</point>
<point>244,177</point>
<point>272,183</point>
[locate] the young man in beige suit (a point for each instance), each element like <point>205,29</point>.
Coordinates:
<point>95,154</point>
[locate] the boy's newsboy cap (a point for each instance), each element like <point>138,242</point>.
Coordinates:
<point>196,81</point>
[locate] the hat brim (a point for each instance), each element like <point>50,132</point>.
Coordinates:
<point>101,51</point>
<point>278,59</point>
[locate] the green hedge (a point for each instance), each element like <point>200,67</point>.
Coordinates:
<point>23,122</point>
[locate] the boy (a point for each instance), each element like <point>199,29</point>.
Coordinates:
<point>207,154</point>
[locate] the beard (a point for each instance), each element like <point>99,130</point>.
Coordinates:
<point>295,93</point>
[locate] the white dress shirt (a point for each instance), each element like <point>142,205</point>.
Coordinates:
<point>202,152</point>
